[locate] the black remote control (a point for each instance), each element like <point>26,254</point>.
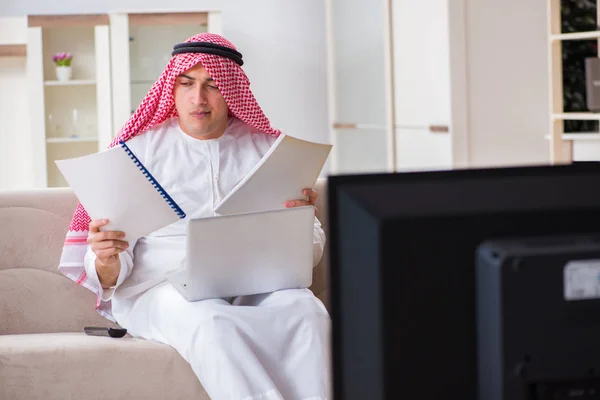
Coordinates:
<point>104,331</point>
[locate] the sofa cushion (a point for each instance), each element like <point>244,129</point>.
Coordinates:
<point>77,366</point>
<point>34,224</point>
<point>34,296</point>
<point>39,301</point>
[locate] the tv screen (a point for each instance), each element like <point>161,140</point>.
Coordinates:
<point>402,267</point>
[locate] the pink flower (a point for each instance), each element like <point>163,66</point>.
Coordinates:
<point>62,58</point>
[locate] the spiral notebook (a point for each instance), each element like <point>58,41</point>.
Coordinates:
<point>115,185</point>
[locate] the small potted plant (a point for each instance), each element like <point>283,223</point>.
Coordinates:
<point>63,65</point>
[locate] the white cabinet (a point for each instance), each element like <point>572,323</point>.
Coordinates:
<point>359,81</point>
<point>421,62</point>
<point>466,88</point>
<point>389,73</point>
<point>68,118</point>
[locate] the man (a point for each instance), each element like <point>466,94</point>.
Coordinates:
<point>200,130</point>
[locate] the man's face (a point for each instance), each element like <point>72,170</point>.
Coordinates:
<point>200,105</point>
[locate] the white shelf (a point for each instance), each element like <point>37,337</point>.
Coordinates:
<point>70,83</point>
<point>581,136</point>
<point>588,116</point>
<point>576,36</point>
<point>568,146</point>
<point>577,136</point>
<point>70,140</point>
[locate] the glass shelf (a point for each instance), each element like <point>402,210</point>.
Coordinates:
<point>71,140</point>
<point>73,82</point>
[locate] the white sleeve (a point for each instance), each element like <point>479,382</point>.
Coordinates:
<point>126,258</point>
<point>138,145</point>
<point>318,242</point>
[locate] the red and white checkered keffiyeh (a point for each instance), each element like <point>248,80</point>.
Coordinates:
<point>157,107</point>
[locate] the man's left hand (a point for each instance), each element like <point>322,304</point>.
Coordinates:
<point>311,200</point>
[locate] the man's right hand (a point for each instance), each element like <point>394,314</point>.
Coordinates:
<point>106,245</point>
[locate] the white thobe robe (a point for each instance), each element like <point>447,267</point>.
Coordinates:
<point>267,346</point>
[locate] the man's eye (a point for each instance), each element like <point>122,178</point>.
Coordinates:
<point>186,84</point>
<point>212,87</point>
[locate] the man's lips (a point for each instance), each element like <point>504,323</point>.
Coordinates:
<point>200,114</point>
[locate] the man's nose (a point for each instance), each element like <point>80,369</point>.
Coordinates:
<point>199,97</point>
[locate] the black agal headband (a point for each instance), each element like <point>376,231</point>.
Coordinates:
<point>208,48</point>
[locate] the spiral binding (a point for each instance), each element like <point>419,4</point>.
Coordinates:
<point>153,181</point>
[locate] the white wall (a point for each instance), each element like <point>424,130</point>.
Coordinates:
<point>16,171</point>
<point>16,168</point>
<point>283,43</point>
<point>507,78</point>
<point>284,48</point>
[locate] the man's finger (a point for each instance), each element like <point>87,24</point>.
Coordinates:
<point>96,237</point>
<point>106,254</point>
<point>107,244</point>
<point>110,235</point>
<point>96,224</point>
<point>297,203</point>
<point>312,195</point>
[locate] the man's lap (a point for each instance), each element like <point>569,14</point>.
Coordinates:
<point>163,308</point>
<point>285,332</point>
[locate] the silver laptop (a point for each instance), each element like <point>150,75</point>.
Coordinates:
<point>243,254</point>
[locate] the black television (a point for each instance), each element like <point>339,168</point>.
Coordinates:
<point>402,278</point>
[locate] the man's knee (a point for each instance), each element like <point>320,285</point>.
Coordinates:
<point>214,330</point>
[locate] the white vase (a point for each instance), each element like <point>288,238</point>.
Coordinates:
<point>63,73</point>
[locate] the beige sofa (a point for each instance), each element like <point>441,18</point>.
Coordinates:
<point>44,353</point>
